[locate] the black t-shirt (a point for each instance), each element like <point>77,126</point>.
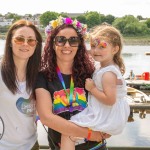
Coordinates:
<point>60,104</point>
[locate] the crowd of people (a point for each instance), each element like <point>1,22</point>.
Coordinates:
<point>78,94</point>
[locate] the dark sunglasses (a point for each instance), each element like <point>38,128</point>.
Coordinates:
<point>21,40</point>
<point>61,41</point>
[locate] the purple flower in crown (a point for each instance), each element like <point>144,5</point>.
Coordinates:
<point>68,21</point>
<point>48,29</point>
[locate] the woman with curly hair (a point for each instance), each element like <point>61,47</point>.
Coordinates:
<point>60,89</point>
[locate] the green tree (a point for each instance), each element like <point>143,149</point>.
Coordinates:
<point>92,18</point>
<point>142,28</point>
<point>139,17</point>
<point>148,23</point>
<point>46,17</point>
<point>82,19</point>
<point>13,16</point>
<point>121,23</point>
<point>130,29</point>
<point>109,19</point>
<point>102,18</point>
<point>129,25</point>
<point>63,14</point>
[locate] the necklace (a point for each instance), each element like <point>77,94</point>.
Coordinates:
<point>68,95</point>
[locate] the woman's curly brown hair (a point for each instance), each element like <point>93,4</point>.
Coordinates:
<point>82,68</point>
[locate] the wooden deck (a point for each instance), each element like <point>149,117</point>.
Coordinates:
<point>143,85</point>
<point>138,82</point>
<point>141,106</point>
<point>139,103</point>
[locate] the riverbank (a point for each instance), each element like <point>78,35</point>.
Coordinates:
<point>141,40</point>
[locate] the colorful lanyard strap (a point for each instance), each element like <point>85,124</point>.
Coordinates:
<point>101,144</point>
<point>69,96</point>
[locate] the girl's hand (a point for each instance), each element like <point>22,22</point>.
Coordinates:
<point>105,135</point>
<point>89,84</point>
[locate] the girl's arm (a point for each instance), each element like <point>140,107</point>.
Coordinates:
<point>55,122</point>
<point>108,95</point>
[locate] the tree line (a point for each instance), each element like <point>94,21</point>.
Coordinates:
<point>128,24</point>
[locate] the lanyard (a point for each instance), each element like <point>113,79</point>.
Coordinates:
<point>69,96</point>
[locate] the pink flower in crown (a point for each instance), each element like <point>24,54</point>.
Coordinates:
<point>78,24</point>
<point>84,30</point>
<point>68,21</point>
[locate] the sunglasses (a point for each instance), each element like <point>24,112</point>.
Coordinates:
<point>99,44</point>
<point>61,41</point>
<point>21,40</point>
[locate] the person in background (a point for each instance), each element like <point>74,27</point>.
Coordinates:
<point>18,71</point>
<point>107,109</point>
<point>60,89</point>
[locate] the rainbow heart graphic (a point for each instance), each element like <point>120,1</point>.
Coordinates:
<point>26,106</point>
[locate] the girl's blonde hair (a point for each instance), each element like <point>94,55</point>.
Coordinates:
<point>113,36</point>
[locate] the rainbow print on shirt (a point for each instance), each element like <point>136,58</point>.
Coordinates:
<point>61,103</point>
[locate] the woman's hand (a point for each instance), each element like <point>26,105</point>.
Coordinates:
<point>105,135</point>
<point>98,136</point>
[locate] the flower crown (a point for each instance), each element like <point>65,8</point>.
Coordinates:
<point>80,27</point>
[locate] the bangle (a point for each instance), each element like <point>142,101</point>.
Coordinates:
<point>89,135</point>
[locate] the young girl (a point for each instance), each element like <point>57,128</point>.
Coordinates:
<point>107,109</point>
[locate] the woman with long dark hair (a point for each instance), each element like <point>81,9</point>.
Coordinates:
<point>18,71</point>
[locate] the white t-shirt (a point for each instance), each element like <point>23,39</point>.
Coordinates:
<point>17,112</point>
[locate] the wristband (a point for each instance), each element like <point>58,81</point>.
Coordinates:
<point>89,135</point>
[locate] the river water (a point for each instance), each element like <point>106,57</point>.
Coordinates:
<point>136,133</point>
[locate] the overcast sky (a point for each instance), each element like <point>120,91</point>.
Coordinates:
<point>117,8</point>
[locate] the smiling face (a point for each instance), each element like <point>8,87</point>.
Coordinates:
<point>66,52</point>
<point>23,51</point>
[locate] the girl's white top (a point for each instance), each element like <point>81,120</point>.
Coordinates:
<point>101,117</point>
<point>18,115</point>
